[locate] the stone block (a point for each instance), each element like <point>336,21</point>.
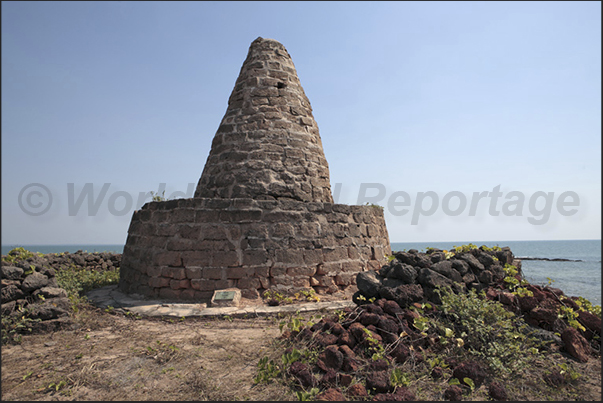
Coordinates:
<point>345,279</point>
<point>353,253</point>
<point>188,294</point>
<point>168,293</point>
<point>289,256</point>
<point>178,244</point>
<point>169,259</point>
<point>265,282</point>
<point>236,272</point>
<point>312,256</point>
<point>240,216</point>
<point>177,284</point>
<point>183,215</point>
<point>224,284</point>
<point>335,254</point>
<point>254,257</point>
<point>282,230</point>
<point>194,272</point>
<point>203,284</point>
<point>352,266</point>
<point>328,268</point>
<point>261,271</point>
<point>301,282</point>
<point>154,271</point>
<point>325,281</point>
<point>213,232</point>
<point>177,273</point>
<point>213,273</point>
<point>301,271</point>
<point>225,258</point>
<point>197,258</point>
<point>158,282</point>
<point>283,280</point>
<point>277,271</point>
<point>189,231</point>
<point>168,230</point>
<point>206,216</point>
<point>249,283</point>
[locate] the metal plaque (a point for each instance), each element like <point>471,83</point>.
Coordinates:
<point>224,295</point>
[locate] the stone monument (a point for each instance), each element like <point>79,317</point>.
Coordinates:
<point>262,216</point>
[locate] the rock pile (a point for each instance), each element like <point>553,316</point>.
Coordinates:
<point>30,288</point>
<point>413,276</point>
<point>359,348</point>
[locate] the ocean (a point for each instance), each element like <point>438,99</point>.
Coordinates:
<point>575,278</point>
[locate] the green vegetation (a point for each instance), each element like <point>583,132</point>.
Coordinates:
<point>77,281</point>
<point>18,254</point>
<point>514,282</point>
<point>158,197</point>
<point>489,332</point>
<point>273,297</point>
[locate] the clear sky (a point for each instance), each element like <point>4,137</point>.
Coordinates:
<point>453,98</point>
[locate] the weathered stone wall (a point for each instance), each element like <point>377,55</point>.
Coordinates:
<point>187,248</point>
<point>268,145</point>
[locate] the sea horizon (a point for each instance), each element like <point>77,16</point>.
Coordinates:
<point>577,271</point>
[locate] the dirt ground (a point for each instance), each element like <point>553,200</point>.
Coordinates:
<point>112,356</point>
<point>116,357</point>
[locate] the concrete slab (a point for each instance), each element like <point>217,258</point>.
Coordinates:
<point>110,296</point>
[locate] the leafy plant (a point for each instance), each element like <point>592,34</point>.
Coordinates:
<point>267,371</point>
<point>18,254</point>
<point>304,396</point>
<point>376,206</point>
<point>421,324</point>
<point>512,282</point>
<point>489,331</point>
<point>586,305</point>
<point>297,323</point>
<point>568,372</point>
<point>571,316</point>
<point>464,248</point>
<point>157,197</point>
<point>398,378</point>
<point>78,280</point>
<point>15,325</point>
<point>290,358</point>
<point>376,348</point>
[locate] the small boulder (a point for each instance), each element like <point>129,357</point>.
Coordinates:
<point>453,393</point>
<point>34,281</point>
<point>11,272</point>
<point>357,390</point>
<point>331,395</point>
<point>404,295</point>
<point>575,344</point>
<point>369,283</point>
<point>378,381</point>
<point>472,370</point>
<point>496,391</point>
<point>11,293</point>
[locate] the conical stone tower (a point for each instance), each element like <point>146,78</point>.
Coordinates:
<point>268,145</point>
<point>262,216</point>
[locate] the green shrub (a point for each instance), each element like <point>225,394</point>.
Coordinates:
<point>488,330</point>
<point>17,254</point>
<point>77,281</point>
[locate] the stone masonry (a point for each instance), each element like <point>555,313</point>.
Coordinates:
<point>262,216</point>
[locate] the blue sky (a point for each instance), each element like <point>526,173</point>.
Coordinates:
<point>453,98</point>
